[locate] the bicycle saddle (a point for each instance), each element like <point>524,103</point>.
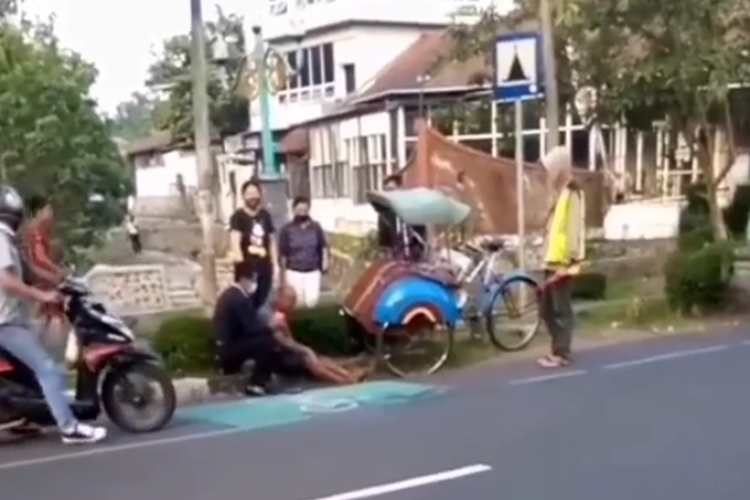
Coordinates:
<point>493,245</point>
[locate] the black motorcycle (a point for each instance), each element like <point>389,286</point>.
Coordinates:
<point>113,373</point>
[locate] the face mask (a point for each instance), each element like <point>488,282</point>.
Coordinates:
<point>248,287</point>
<point>301,218</point>
<point>252,203</point>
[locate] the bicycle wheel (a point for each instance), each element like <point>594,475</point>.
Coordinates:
<point>415,352</point>
<point>514,316</point>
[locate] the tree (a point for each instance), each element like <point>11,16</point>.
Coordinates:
<point>664,60</point>
<point>53,142</point>
<point>170,74</point>
<point>134,118</point>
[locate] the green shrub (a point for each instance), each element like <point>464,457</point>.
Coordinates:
<point>698,280</point>
<point>588,286</point>
<point>186,343</point>
<point>323,328</point>
<point>694,229</point>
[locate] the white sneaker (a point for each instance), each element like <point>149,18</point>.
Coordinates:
<point>84,433</point>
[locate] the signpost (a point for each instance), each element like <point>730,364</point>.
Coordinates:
<point>517,80</point>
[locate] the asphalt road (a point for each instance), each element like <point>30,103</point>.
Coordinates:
<point>652,420</point>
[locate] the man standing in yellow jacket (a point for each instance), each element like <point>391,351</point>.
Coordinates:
<point>564,250</point>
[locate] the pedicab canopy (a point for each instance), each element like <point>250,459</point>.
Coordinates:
<point>416,207</point>
<point>421,206</point>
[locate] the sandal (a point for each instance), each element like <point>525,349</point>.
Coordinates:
<point>551,361</point>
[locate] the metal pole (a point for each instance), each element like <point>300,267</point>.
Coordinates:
<point>202,141</point>
<point>550,76</point>
<point>270,169</point>
<point>520,187</point>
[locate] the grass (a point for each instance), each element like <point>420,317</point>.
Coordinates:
<point>636,313</point>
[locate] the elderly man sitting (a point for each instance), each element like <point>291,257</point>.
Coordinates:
<point>244,333</point>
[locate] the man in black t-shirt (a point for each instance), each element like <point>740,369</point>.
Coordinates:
<point>252,244</point>
<point>243,333</point>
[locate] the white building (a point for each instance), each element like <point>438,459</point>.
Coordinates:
<point>339,47</point>
<point>165,175</point>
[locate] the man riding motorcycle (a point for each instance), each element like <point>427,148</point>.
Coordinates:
<point>16,323</point>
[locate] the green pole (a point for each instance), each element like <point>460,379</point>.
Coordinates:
<point>270,169</point>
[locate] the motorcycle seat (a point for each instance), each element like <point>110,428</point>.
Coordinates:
<point>5,361</point>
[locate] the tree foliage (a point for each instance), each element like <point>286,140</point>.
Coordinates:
<point>662,60</point>
<point>655,59</point>
<point>52,140</point>
<point>649,60</point>
<point>171,74</point>
<point>134,118</point>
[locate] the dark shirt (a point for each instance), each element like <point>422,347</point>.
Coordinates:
<point>256,232</point>
<point>301,246</point>
<point>236,319</point>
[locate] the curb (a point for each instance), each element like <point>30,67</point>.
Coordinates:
<point>192,390</point>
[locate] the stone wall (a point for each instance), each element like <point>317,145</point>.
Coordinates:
<point>137,290</point>
<point>131,290</point>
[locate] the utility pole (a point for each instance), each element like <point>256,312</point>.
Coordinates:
<point>552,98</point>
<point>204,160</point>
<point>273,179</point>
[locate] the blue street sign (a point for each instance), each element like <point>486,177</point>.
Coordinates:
<point>517,67</point>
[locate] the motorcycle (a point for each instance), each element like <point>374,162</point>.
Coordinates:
<point>112,373</point>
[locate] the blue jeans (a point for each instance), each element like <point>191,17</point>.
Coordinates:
<point>23,343</point>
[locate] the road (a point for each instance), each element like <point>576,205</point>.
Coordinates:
<point>649,420</point>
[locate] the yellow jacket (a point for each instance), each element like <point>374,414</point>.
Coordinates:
<point>566,231</point>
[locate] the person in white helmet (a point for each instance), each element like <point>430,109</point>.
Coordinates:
<point>17,300</point>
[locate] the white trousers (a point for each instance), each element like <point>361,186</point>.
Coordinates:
<point>306,286</point>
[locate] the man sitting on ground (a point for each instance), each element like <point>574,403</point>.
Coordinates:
<point>320,367</point>
<point>243,333</point>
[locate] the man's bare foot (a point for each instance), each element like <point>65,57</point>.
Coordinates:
<point>552,361</point>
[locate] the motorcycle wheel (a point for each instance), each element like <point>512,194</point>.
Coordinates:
<point>122,400</point>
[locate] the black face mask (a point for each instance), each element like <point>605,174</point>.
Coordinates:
<point>301,218</point>
<point>252,204</point>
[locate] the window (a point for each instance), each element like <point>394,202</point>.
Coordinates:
<point>291,58</point>
<point>411,115</point>
<point>303,70</point>
<point>371,167</point>
<point>314,74</point>
<point>329,67</point>
<point>350,78</point>
<point>329,177</point>
<point>316,66</point>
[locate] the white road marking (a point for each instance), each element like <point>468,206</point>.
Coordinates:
<point>408,484</point>
<point>104,449</point>
<point>546,378</point>
<point>665,357</point>
<point>745,342</point>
